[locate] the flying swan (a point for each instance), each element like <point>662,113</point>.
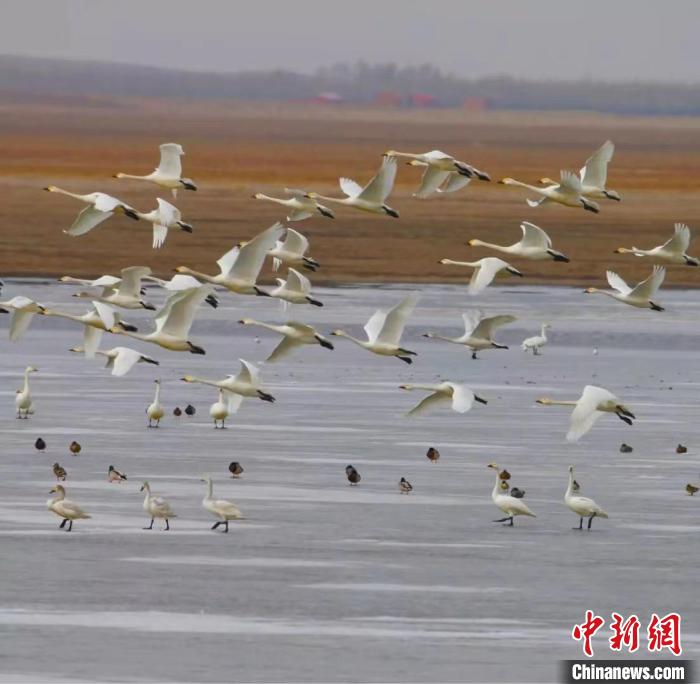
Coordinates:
<point>301,206</point>
<point>478,331</point>
<point>460,396</point>
<point>535,245</point>
<point>485,270</point>
<point>294,335</point>
<point>640,295</point>
<point>568,192</point>
<point>673,251</point>
<point>168,173</point>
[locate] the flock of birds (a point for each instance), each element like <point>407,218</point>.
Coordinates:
<point>239,270</point>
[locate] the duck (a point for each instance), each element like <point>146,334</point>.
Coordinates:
<point>517,493</point>
<point>59,472</point>
<point>23,396</point>
<point>40,444</point>
<point>510,505</point>
<point>219,411</point>
<point>485,270</point>
<point>177,411</point>
<point>626,448</point>
<point>433,455</point>
<point>219,508</point>
<point>352,475</point>
<point>535,245</point>
<point>155,410</point>
<point>691,489</point>
<point>405,486</point>
<point>65,508</point>
<point>640,296</point>
<point>113,475</point>
<point>680,449</point>
<point>190,410</point>
<point>156,507</point>
<point>504,475</point>
<point>235,468</point>
<point>581,505</point>
<point>75,448</point>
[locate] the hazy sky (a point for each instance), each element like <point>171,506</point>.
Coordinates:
<point>600,39</point>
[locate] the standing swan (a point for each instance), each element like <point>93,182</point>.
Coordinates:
<point>168,173</point>
<point>640,295</point>
<point>581,505</point>
<point>155,410</point>
<point>510,505</point>
<point>65,508</point>
<point>219,508</point>
<point>23,397</point>
<point>156,507</point>
<point>537,341</point>
<point>219,411</point>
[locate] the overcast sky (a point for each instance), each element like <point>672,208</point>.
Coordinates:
<point>539,39</point>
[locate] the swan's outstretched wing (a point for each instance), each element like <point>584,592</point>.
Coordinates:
<point>375,324</point>
<point>471,319</point>
<point>233,402</point>
<point>160,233</point>
<point>431,401</point>
<point>378,189</point>
<point>437,155</point>
<point>432,179</point>
<point>295,242</point>
<point>106,314</point>
<point>680,241</point>
<point>595,172</point>
<point>86,220</point>
<point>130,285</point>
<point>350,187</point>
<point>299,214</point>
<point>534,236</point>
<point>249,260</point>
<point>585,413</point>
<point>91,341</point>
<point>170,163</point>
<point>296,282</point>
<point>125,360</point>
<point>537,202</point>
<point>284,348</point>
<point>169,214</point>
<point>648,287</point>
<point>487,326</point>
<point>617,283</point>
<point>396,319</point>
<point>248,373</point>
<point>19,323</point>
<point>462,398</point>
<point>568,180</point>
<point>177,314</point>
<point>483,275</point>
<point>455,181</point>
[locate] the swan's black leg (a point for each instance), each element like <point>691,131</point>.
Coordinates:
<point>70,525</point>
<point>580,525</point>
<point>215,525</point>
<point>167,525</point>
<point>63,523</point>
<point>150,527</point>
<point>226,523</point>
<point>590,520</point>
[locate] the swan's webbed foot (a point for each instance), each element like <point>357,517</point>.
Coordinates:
<point>474,356</point>
<point>624,418</point>
<point>505,520</point>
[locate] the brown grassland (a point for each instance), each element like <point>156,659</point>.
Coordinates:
<point>234,149</point>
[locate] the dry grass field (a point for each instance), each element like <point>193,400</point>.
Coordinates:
<point>235,149</point>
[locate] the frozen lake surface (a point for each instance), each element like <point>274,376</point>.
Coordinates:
<point>322,582</point>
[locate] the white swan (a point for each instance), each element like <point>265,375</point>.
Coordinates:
<point>156,507</point>
<point>510,505</point>
<point>219,508</point>
<point>181,282</point>
<point>100,208</point>
<point>65,508</point>
<point>536,342</point>
<point>460,396</point>
<point>23,397</point>
<point>23,310</point>
<point>673,251</point>
<point>594,173</point>
<point>219,411</point>
<point>384,330</point>
<point>453,182</point>
<point>640,295</point>
<point>245,384</point>
<point>292,252</point>
<point>239,267</point>
<point>168,173</point>
<point>478,331</point>
<point>535,244</point>
<point>593,402</point>
<point>173,321</point>
<point>300,205</point>
<point>485,270</point>
<point>372,197</point>
<point>125,293</point>
<point>295,290</point>
<point>163,217</point>
<point>155,410</point>
<point>120,359</point>
<point>581,505</point>
<point>294,335</point>
<point>568,192</point>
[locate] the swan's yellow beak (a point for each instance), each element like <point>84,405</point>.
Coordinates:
<point>471,243</point>
<point>619,250</point>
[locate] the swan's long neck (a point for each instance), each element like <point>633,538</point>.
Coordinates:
<point>496,487</point>
<point>61,191</point>
<point>197,274</point>
<point>337,200</point>
<point>25,389</point>
<point>147,489</point>
<point>489,245</point>
<point>427,388</point>
<point>361,343</point>
<point>408,155</point>
<point>570,488</point>
<point>460,263</point>
<point>534,188</point>
<point>134,335</point>
<point>62,314</point>
<point>156,398</point>
<point>276,200</point>
<point>435,336</point>
<point>210,490</point>
<point>552,402</point>
<point>202,381</point>
<point>543,332</point>
<point>60,495</point>
<point>268,326</point>
<point>129,175</point>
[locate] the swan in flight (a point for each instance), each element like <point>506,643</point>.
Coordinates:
<point>372,197</point>
<point>219,411</point>
<point>510,505</point>
<point>163,217</point>
<point>125,293</point>
<point>535,244</point>
<point>640,295</point>
<point>181,282</point>
<point>593,402</point>
<point>673,251</point>
<point>460,396</point>
<point>568,192</point>
<point>478,331</point>
<point>595,173</point>
<point>219,508</point>
<point>100,208</point>
<point>485,270</point>
<point>155,410</point>
<point>23,397</point>
<point>581,505</point>
<point>301,206</point>
<point>23,310</point>
<point>453,182</point>
<point>295,290</point>
<point>173,321</point>
<point>292,252</point>
<point>294,335</point>
<point>537,341</point>
<point>65,508</point>
<point>156,507</point>
<point>168,173</point>
<point>245,384</point>
<point>384,330</point>
<point>120,359</point>
<point>239,267</point>
<point>439,167</point>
